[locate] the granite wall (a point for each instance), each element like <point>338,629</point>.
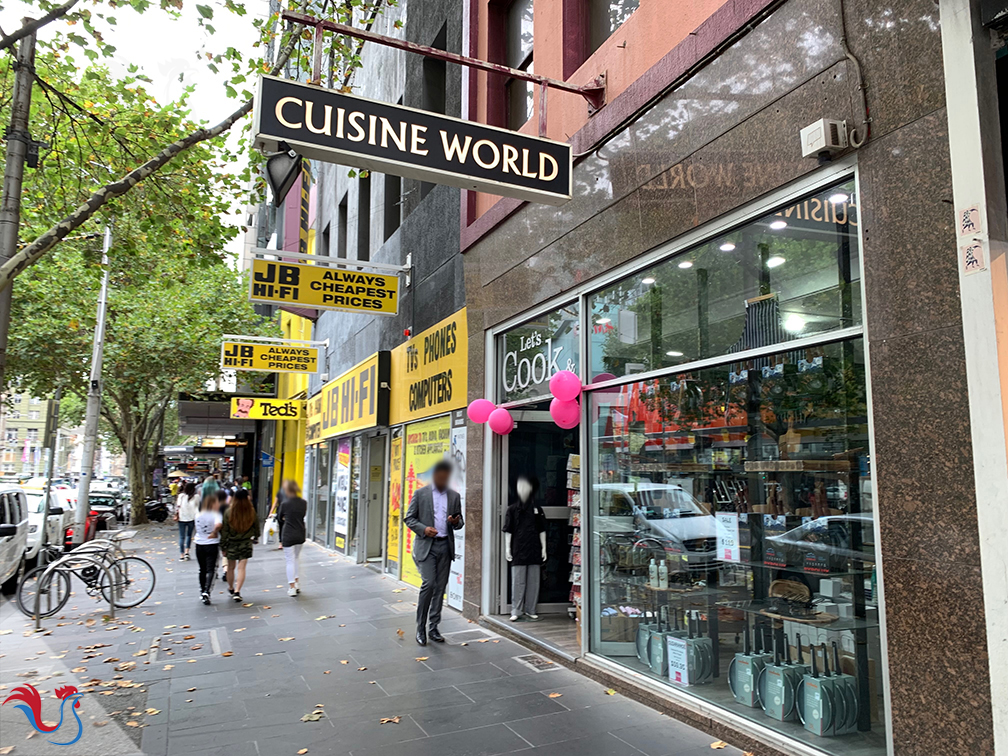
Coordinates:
<point>725,137</point>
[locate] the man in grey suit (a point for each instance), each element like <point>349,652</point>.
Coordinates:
<point>433,513</point>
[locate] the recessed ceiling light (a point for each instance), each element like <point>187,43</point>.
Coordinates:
<point>775,261</point>
<point>727,247</point>
<point>777,225</point>
<point>603,321</point>
<point>673,353</point>
<point>647,281</point>
<point>839,197</point>
<point>685,264</point>
<point>794,323</point>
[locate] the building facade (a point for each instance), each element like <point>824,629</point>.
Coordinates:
<point>758,481</point>
<point>23,421</point>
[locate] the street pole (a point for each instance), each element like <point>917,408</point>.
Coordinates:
<point>93,401</point>
<point>49,469</point>
<point>10,204</point>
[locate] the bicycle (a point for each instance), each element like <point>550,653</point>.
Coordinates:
<point>122,579</point>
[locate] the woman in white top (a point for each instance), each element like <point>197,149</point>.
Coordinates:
<point>186,509</point>
<point>208,527</point>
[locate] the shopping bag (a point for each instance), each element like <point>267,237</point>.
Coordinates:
<point>269,530</point>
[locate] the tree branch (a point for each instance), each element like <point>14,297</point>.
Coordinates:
<point>8,41</point>
<point>33,252</point>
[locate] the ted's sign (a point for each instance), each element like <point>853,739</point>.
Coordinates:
<point>254,408</point>
<point>340,128</point>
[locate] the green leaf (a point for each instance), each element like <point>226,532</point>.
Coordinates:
<point>205,11</point>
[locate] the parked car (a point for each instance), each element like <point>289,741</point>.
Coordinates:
<point>107,501</point>
<point>13,536</point>
<point>58,521</point>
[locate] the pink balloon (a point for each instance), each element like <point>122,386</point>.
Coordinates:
<point>565,414</point>
<point>501,421</point>
<point>480,409</point>
<point>565,386</point>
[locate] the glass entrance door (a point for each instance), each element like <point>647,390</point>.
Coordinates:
<point>538,447</point>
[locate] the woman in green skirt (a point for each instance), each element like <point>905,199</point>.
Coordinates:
<point>240,531</point>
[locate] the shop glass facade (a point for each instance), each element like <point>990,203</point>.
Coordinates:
<point>729,504</point>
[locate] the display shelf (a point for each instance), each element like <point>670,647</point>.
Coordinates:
<point>766,608</point>
<point>798,569</point>
<point>799,465</point>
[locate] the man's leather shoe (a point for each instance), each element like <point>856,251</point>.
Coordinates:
<point>421,638</point>
<point>435,635</point>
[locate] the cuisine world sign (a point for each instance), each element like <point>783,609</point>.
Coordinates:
<point>340,128</point>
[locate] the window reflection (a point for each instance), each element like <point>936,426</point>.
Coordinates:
<point>790,274</point>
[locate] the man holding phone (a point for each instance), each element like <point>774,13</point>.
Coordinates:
<point>434,512</point>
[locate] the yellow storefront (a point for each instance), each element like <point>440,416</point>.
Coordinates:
<point>427,422</point>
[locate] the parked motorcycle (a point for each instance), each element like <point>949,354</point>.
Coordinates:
<point>156,511</point>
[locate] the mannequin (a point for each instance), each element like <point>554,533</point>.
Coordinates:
<point>525,548</point>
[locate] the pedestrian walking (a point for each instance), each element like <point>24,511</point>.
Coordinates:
<point>208,527</point>
<point>210,486</point>
<point>223,502</point>
<point>434,512</point>
<point>277,502</point>
<point>240,531</point>
<point>186,509</point>
<point>291,521</point>
<point>525,547</point>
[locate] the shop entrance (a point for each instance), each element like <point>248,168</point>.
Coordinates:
<point>373,518</point>
<point>538,447</point>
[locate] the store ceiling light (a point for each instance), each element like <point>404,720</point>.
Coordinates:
<point>794,323</point>
<point>839,197</point>
<point>647,281</point>
<point>673,353</point>
<point>603,321</point>
<point>777,225</point>
<point>685,264</point>
<point>775,262</point>
<point>727,247</point>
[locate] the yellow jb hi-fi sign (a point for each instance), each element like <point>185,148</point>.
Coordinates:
<point>324,288</point>
<point>269,358</point>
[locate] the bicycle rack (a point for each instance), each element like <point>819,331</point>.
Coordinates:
<point>67,559</point>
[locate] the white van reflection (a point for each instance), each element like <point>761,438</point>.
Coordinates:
<point>666,513</point>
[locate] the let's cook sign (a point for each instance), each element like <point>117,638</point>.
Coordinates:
<point>269,358</point>
<point>339,128</point>
<point>324,288</point>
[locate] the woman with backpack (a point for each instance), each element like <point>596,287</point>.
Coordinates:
<point>240,531</point>
<point>186,508</point>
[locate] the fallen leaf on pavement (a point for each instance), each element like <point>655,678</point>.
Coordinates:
<point>77,670</point>
<point>324,616</point>
<point>610,692</point>
<point>190,690</point>
<point>153,712</point>
<point>717,745</point>
<point>422,658</point>
<point>169,666</point>
<point>239,629</point>
<point>483,640</point>
<point>228,653</point>
<point>342,625</point>
<point>99,724</point>
<point>284,640</point>
<point>372,682</point>
<point>142,652</point>
<point>6,749</point>
<point>390,720</point>
<point>302,752</point>
<point>400,632</point>
<point>327,672</point>
<point>555,695</point>
<point>463,644</point>
<point>267,607</point>
<point>169,627</point>
<point>6,632</point>
<point>188,637</point>
<point>249,604</point>
<point>315,716</point>
<point>361,669</point>
<point>344,661</point>
<point>131,723</point>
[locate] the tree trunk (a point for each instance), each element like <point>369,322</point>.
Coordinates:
<point>138,487</point>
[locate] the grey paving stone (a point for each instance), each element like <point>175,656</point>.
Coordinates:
<point>596,745</point>
<point>440,679</point>
<point>482,741</point>
<point>667,737</point>
<point>218,712</point>
<point>585,722</point>
<point>467,716</point>
<point>502,687</point>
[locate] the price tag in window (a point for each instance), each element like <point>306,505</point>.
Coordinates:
<point>678,660</point>
<point>728,537</point>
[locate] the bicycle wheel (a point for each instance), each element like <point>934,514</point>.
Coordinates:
<point>54,593</point>
<point>132,582</point>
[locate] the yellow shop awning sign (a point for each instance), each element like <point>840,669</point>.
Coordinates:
<point>324,288</point>
<point>429,371</point>
<point>269,358</point>
<point>355,400</point>
<point>255,408</point>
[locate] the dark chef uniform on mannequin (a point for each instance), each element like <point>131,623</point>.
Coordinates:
<point>525,544</point>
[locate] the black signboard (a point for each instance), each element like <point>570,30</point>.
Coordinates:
<point>340,128</point>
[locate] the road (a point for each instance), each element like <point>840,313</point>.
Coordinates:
<point>239,679</point>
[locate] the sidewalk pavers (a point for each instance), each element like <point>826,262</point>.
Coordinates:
<point>237,679</point>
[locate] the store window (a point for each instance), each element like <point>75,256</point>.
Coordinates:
<point>341,493</point>
<point>605,17</point>
<point>355,480</point>
<point>731,506</point>
<point>787,275</point>
<point>519,45</point>
<point>321,493</point>
<point>531,353</point>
